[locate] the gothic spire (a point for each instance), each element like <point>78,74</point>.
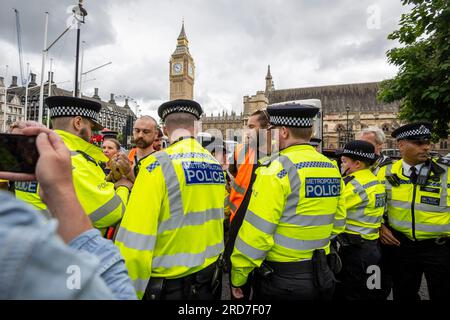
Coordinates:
<point>182,32</point>
<point>269,76</point>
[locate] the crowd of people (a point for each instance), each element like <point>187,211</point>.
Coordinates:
<point>278,218</point>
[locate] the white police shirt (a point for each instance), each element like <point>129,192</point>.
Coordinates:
<point>407,168</point>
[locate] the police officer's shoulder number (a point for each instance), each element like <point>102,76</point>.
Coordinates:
<point>347,179</point>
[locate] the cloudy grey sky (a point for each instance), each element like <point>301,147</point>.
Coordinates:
<point>307,43</point>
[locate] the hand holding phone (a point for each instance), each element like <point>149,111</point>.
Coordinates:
<point>18,153</point>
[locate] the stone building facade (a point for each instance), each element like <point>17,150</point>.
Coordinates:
<point>112,116</point>
<point>346,109</point>
<point>14,109</point>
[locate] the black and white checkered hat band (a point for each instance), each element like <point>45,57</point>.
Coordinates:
<point>291,121</point>
<point>416,132</point>
<point>360,154</point>
<point>68,111</point>
<point>187,109</point>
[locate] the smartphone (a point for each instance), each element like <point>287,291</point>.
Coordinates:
<point>18,153</point>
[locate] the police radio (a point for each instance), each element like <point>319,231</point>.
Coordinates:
<point>424,174</point>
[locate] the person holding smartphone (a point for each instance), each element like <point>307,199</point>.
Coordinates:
<point>41,260</point>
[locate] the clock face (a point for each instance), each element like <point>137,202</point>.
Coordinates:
<point>177,67</point>
<point>191,70</point>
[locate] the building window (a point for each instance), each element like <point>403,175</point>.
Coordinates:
<point>443,144</point>
<point>386,128</point>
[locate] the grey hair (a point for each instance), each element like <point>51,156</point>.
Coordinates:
<point>380,138</point>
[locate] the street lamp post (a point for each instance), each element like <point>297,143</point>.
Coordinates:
<point>347,136</point>
<point>80,13</point>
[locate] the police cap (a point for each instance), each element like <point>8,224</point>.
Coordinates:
<point>180,105</point>
<point>213,144</point>
<point>109,134</point>
<point>315,142</point>
<point>292,114</point>
<point>413,131</point>
<point>64,106</point>
<point>359,150</point>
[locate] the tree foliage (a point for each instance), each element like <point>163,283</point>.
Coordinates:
<point>422,84</point>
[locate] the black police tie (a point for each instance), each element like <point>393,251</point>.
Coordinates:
<point>413,176</point>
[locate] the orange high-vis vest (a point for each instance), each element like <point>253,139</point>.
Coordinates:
<point>245,160</point>
<point>131,155</point>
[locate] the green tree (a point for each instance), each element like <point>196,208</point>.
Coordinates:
<point>422,84</point>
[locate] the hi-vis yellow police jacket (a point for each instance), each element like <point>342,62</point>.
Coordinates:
<point>173,225</point>
<point>420,212</point>
<point>28,191</point>
<point>104,206</point>
<point>365,199</point>
<point>296,207</point>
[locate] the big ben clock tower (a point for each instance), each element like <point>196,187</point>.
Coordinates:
<point>182,70</point>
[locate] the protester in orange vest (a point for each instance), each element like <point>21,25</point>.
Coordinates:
<point>145,131</point>
<point>243,168</point>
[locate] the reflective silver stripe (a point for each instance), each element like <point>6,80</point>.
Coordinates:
<point>237,188</point>
<point>388,184</point>
<point>419,206</point>
<point>259,223</point>
<point>420,226</point>
<point>361,230</point>
<point>297,244</point>
<point>140,284</point>
<point>302,220</point>
<point>444,187</point>
<point>187,259</point>
<point>294,181</point>
<point>232,207</point>
<point>248,250</point>
<point>358,215</point>
<point>106,209</point>
<point>191,219</point>
<point>360,190</point>
<point>134,240</point>
<point>226,202</point>
<point>74,153</point>
<point>172,183</point>
<point>338,223</point>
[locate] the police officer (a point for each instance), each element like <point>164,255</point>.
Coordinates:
<point>74,119</point>
<point>172,233</point>
<point>365,198</point>
<point>418,216</point>
<point>295,208</point>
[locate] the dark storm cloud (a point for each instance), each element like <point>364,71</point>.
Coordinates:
<point>306,43</point>
<point>99,29</point>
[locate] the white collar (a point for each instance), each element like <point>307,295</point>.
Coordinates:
<point>407,168</point>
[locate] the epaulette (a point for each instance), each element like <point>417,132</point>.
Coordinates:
<point>347,179</point>
<point>87,157</point>
<point>266,161</point>
<point>385,162</point>
<point>444,161</point>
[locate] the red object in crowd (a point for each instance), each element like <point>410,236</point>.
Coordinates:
<point>96,139</point>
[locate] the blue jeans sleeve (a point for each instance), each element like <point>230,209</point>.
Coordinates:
<point>112,266</point>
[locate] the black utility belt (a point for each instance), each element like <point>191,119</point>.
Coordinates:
<point>191,276</point>
<point>402,238</point>
<point>349,238</point>
<point>297,266</point>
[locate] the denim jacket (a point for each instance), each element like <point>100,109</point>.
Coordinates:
<point>36,264</point>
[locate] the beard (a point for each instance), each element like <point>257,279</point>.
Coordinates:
<point>84,134</point>
<point>142,144</point>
